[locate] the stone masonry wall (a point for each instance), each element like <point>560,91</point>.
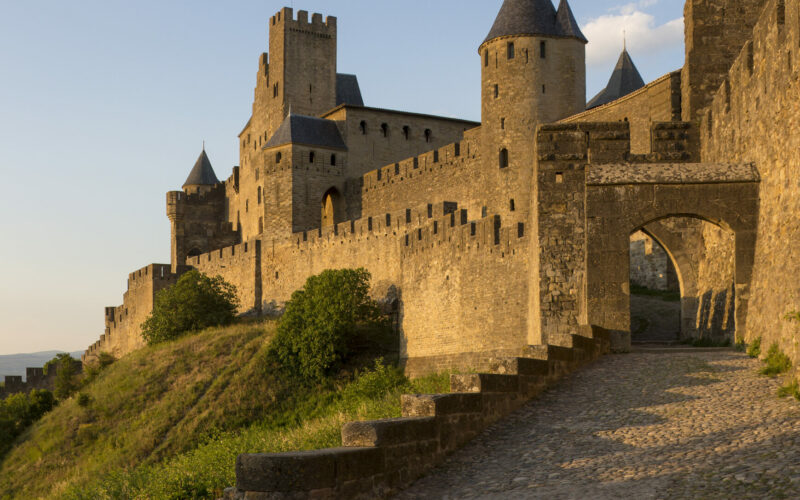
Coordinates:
<point>651,267</point>
<point>659,101</point>
<point>754,117</point>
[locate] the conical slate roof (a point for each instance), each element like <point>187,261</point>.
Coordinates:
<point>202,174</point>
<point>300,129</point>
<point>535,17</point>
<point>624,80</point>
<point>567,23</point>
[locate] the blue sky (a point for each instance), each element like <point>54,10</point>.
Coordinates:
<point>104,105</point>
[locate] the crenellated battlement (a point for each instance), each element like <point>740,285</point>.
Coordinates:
<point>317,26</point>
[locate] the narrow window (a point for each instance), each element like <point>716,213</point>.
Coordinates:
<point>486,58</point>
<point>406,132</point>
<point>311,157</point>
<point>333,160</point>
<point>496,91</point>
<point>543,49</point>
<point>278,157</point>
<point>259,195</point>
<point>510,49</point>
<point>428,134</point>
<point>544,90</point>
<point>246,206</point>
<point>559,178</point>
<point>520,230</point>
<point>435,157</point>
<point>275,90</point>
<point>385,129</point>
<point>363,127</point>
<point>502,123</point>
<point>513,206</point>
<point>503,158</point>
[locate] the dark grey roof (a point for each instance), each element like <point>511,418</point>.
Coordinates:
<point>567,23</point>
<point>299,129</point>
<point>347,90</point>
<point>202,174</point>
<point>624,80</point>
<point>535,17</point>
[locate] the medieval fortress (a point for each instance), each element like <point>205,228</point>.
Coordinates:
<point>492,237</point>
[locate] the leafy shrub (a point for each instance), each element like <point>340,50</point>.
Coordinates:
<point>84,400</point>
<point>754,349</point>
<point>740,346</point>
<point>313,334</point>
<point>19,411</point>
<point>776,362</point>
<point>93,370</point>
<point>195,302</point>
<point>67,377</point>
<point>791,389</point>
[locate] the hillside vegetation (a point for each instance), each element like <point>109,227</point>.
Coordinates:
<point>169,420</point>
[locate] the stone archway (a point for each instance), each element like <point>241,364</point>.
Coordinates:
<point>333,208</point>
<point>617,209</point>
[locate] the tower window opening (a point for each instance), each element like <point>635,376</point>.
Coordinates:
<point>544,89</point>
<point>503,158</point>
<point>428,134</point>
<point>259,195</point>
<point>503,123</point>
<point>513,205</point>
<point>486,58</point>
<point>278,157</point>
<point>385,129</point>
<point>496,91</point>
<point>246,206</point>
<point>333,160</point>
<point>510,50</point>
<point>406,132</point>
<point>543,50</point>
<point>275,90</point>
<point>311,157</point>
<point>363,127</point>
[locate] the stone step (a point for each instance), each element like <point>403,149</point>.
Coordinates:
<point>484,383</point>
<point>522,366</point>
<point>388,432</point>
<point>435,405</point>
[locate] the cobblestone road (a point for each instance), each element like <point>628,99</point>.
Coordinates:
<point>637,426</point>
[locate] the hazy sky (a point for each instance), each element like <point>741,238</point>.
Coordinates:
<point>104,105</point>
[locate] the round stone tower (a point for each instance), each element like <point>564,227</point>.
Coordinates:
<point>533,71</point>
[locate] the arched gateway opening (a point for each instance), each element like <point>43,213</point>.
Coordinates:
<point>333,208</point>
<point>682,282</point>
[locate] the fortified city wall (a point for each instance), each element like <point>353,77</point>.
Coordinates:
<point>659,101</point>
<point>754,117</point>
<point>35,378</point>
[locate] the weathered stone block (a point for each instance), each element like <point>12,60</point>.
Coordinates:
<point>388,432</point>
<point>483,382</point>
<point>429,405</point>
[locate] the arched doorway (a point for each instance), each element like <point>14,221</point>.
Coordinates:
<point>333,208</point>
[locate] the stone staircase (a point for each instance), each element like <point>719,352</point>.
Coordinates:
<point>380,457</point>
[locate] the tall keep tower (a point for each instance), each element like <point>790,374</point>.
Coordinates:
<point>298,74</point>
<point>533,71</point>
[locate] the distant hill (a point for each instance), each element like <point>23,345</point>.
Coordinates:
<point>15,364</point>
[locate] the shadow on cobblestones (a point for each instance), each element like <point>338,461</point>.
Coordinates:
<point>683,425</point>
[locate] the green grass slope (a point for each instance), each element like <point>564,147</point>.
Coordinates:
<point>168,421</point>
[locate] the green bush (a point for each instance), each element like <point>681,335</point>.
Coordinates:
<point>19,411</point>
<point>776,362</point>
<point>195,302</point>
<point>754,349</point>
<point>791,389</point>
<point>84,400</point>
<point>320,320</point>
<point>67,377</point>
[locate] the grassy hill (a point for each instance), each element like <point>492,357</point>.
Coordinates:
<point>168,421</point>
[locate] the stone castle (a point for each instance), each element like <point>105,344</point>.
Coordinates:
<point>488,238</point>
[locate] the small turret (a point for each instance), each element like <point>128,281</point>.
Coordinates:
<point>533,72</point>
<point>202,177</point>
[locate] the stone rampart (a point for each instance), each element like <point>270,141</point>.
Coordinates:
<point>754,118</point>
<point>35,378</point>
<point>659,101</point>
<point>380,457</point>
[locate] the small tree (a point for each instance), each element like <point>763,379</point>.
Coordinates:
<point>67,377</point>
<point>312,335</point>
<point>195,302</point>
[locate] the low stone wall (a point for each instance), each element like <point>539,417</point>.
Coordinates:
<point>380,457</point>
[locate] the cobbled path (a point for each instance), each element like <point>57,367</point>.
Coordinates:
<point>637,426</point>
